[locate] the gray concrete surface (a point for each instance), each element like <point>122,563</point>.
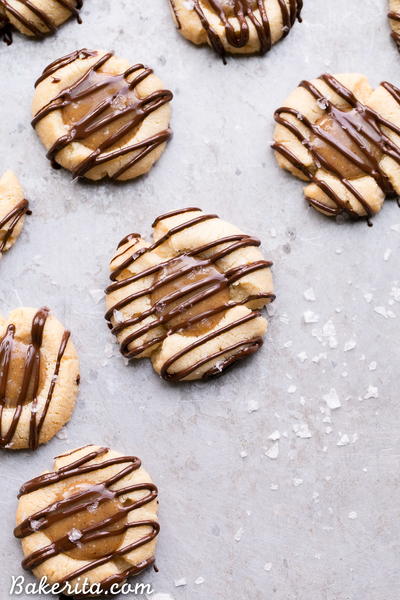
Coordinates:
<point>321,520</point>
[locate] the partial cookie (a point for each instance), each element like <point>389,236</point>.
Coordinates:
<point>394,17</point>
<point>234,26</point>
<point>36,18</point>
<point>100,117</point>
<point>13,208</point>
<point>39,377</point>
<point>344,137</point>
<point>94,518</point>
<point>189,301</point>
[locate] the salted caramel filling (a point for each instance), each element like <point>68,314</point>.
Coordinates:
<point>103,506</point>
<point>352,138</point>
<point>23,384</point>
<point>180,287</point>
<point>228,6</point>
<point>97,98</point>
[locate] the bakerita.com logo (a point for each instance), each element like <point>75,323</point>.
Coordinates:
<point>79,587</point>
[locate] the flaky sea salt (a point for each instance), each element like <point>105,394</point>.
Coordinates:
<point>273,452</point>
<point>180,582</point>
<point>252,406</point>
<point>332,399</point>
<point>309,295</point>
<point>310,317</point>
<point>74,535</point>
<point>302,430</point>
<point>344,440</point>
<point>372,392</point>
<point>268,567</point>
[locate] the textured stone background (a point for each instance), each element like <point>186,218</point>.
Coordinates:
<point>325,516</point>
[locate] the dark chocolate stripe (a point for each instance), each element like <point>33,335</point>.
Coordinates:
<point>11,220</point>
<point>31,374</point>
<point>371,130</point>
<point>95,120</point>
<point>79,502</point>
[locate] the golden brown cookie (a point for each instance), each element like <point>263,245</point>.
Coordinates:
<point>343,138</point>
<point>13,208</point>
<point>236,26</point>
<point>94,517</point>
<point>36,18</point>
<point>99,117</point>
<point>39,377</point>
<point>190,300</point>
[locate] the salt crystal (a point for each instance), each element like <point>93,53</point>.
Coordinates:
<point>396,227</point>
<point>252,406</point>
<point>309,295</point>
<point>292,389</point>
<point>118,316</point>
<point>274,487</point>
<point>368,297</point>
<point>275,436</point>
<point>372,392</point>
<point>35,524</point>
<point>372,366</point>
<point>297,482</point>
<point>268,567</point>
<point>273,452</point>
<point>199,580</point>
<point>302,430</point>
<point>97,295</point>
<point>302,356</point>
<point>238,534</point>
<point>243,454</point>
<point>310,317</point>
<point>332,399</point>
<point>387,255</point>
<point>344,440</point>
<point>74,535</point>
<point>381,310</point>
<point>353,515</point>
<point>323,103</point>
<point>350,345</point>
<point>180,582</point>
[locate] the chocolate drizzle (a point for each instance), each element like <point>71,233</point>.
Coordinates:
<point>244,12</point>
<point>31,379</point>
<point>395,16</point>
<point>96,119</point>
<point>11,220</point>
<point>93,494</point>
<point>45,20</point>
<point>363,128</point>
<point>189,295</point>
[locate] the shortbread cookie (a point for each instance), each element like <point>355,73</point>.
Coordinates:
<point>13,208</point>
<point>394,17</point>
<point>189,300</point>
<point>100,117</point>
<point>36,18</point>
<point>39,377</point>
<point>94,517</point>
<point>344,137</point>
<point>236,26</point>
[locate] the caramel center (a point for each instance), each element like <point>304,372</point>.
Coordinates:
<point>178,289</point>
<point>103,506</point>
<point>99,97</point>
<point>350,132</point>
<point>23,386</point>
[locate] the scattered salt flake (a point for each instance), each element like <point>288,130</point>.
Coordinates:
<point>309,295</point>
<point>97,295</point>
<point>272,233</point>
<point>332,399</point>
<point>302,430</point>
<point>74,535</point>
<point>297,481</point>
<point>302,356</point>
<point>328,430</point>
<point>35,524</point>
<point>368,297</point>
<point>323,103</point>
<point>238,534</point>
<point>274,487</point>
<point>253,406</point>
<point>243,454</point>
<point>275,436</point>
<point>62,434</point>
<point>387,255</point>
<point>350,345</point>
<point>199,580</point>
<point>268,567</point>
<point>381,310</point>
<point>353,515</point>
<point>310,317</point>
<point>180,582</point>
<point>288,344</point>
<point>372,366</point>
<point>118,316</point>
<point>292,389</point>
<point>396,227</point>
<point>329,331</point>
<point>395,293</point>
<point>372,392</point>
<point>273,452</point>
<point>344,440</point>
